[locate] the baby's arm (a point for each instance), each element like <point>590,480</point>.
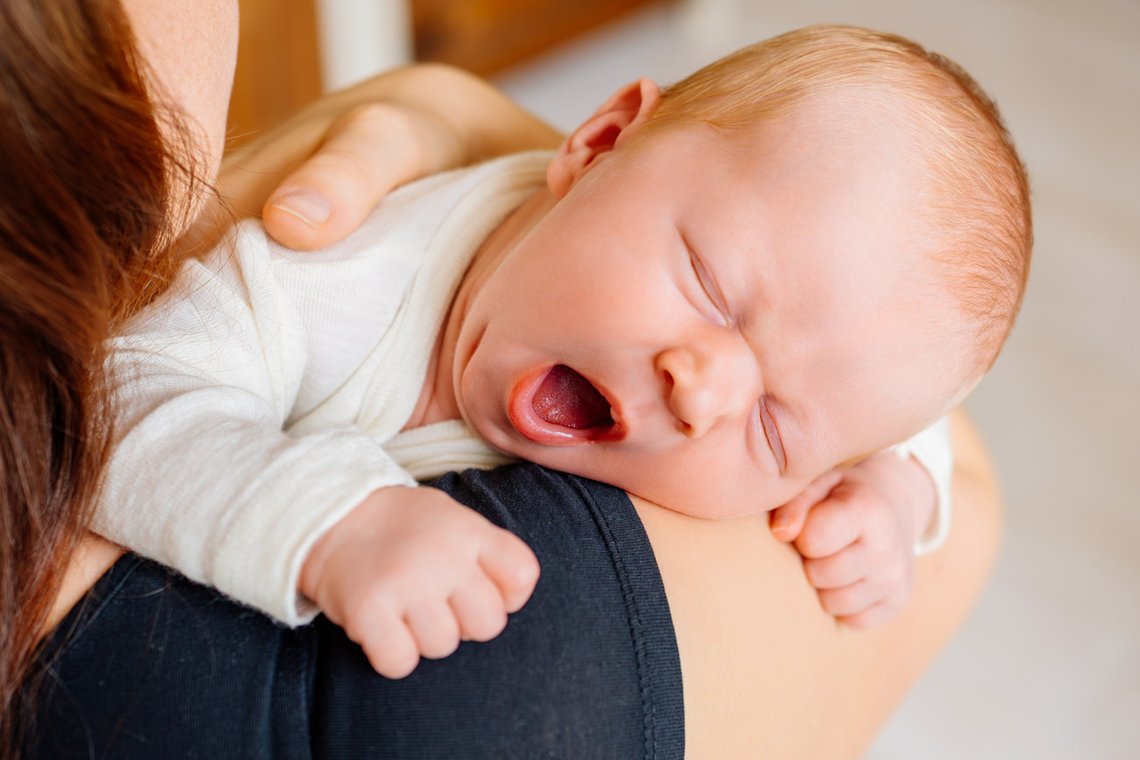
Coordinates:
<point>859,528</point>
<point>203,477</point>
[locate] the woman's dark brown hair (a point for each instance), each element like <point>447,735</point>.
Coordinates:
<point>85,203</point>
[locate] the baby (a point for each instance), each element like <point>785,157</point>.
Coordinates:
<point>728,297</point>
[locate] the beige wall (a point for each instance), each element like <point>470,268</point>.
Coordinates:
<point>278,69</point>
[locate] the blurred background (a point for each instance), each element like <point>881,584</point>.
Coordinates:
<point>1048,666</point>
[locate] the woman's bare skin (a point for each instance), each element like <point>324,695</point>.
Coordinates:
<point>767,672</point>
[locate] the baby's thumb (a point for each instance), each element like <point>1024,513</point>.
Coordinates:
<point>787,521</point>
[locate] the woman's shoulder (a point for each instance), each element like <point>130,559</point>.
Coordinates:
<point>91,560</point>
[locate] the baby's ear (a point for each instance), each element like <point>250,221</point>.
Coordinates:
<point>621,115</point>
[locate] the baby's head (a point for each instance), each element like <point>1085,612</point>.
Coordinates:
<point>976,195</point>
<point>797,256</point>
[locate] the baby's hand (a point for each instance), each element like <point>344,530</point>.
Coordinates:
<point>410,572</point>
<point>856,529</point>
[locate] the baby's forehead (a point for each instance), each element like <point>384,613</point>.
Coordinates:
<point>852,118</point>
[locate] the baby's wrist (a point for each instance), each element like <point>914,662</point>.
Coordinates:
<point>921,495</point>
<point>327,546</point>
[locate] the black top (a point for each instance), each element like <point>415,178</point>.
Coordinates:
<point>151,665</point>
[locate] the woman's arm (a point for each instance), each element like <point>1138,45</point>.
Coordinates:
<point>344,152</point>
<point>766,671</point>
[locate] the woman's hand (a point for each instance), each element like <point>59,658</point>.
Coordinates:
<point>314,179</point>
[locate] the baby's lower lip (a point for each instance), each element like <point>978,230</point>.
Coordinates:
<point>530,424</point>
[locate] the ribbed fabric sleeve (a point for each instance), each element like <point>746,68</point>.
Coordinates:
<point>433,450</point>
<point>931,448</point>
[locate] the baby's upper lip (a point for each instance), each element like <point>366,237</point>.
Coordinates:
<point>617,428</point>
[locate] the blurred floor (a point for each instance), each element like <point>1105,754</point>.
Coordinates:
<point>1048,667</point>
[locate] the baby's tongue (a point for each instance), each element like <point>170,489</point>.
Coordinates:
<point>566,398</point>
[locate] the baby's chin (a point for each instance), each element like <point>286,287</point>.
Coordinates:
<point>701,508</point>
<point>673,491</point>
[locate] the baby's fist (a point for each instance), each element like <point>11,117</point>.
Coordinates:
<point>856,530</point>
<point>410,572</point>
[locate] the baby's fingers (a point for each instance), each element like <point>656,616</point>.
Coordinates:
<point>850,600</point>
<point>880,589</point>
<point>386,641</point>
<point>838,570</point>
<point>478,607</point>
<point>434,628</point>
<point>830,527</point>
<point>512,567</point>
<point>872,617</point>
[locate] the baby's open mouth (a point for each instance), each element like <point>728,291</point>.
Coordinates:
<point>560,406</point>
<point>566,398</point>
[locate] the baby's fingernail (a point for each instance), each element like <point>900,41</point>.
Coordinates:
<point>311,208</point>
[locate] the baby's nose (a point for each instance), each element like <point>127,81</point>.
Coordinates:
<point>705,385</point>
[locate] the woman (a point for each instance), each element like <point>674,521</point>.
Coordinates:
<point>87,225</point>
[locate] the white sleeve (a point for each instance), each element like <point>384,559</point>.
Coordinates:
<point>203,478</point>
<point>932,449</point>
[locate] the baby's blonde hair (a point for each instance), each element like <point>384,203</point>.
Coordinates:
<point>980,200</point>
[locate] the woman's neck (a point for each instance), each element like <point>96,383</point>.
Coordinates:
<point>91,560</point>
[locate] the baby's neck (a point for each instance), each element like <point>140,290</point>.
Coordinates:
<point>438,401</point>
